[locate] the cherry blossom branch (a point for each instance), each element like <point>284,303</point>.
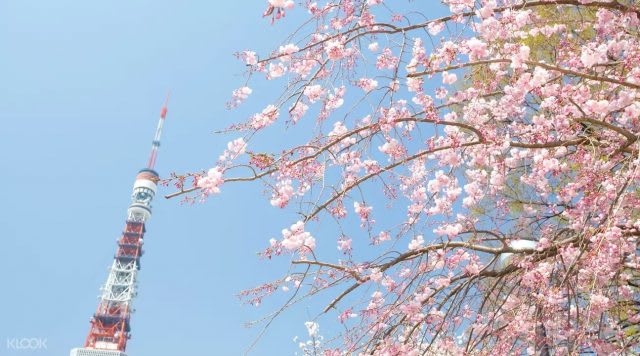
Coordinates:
<point>528,62</point>
<point>361,180</point>
<point>614,5</point>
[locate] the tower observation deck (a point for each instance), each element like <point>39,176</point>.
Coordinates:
<point>111,324</point>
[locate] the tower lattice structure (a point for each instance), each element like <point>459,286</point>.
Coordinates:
<point>111,324</point>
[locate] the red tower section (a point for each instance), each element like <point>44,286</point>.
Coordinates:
<point>110,324</point>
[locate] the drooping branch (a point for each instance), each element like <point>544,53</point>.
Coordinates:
<point>531,63</point>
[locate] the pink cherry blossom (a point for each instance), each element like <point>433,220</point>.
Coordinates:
<point>334,100</point>
<point>344,245</point>
<point>239,96</point>
<point>387,60</point>
<point>457,6</point>
<point>499,145</point>
<point>416,243</point>
<point>210,184</point>
<point>414,84</point>
<point>487,10</point>
<point>286,50</point>
<point>375,275</point>
<point>591,56</point>
<point>393,149</point>
<point>283,193</point>
<point>265,118</point>
<point>449,230</point>
<point>313,92</point>
<point>234,149</point>
<point>435,28</point>
<point>334,49</point>
<point>362,210</point>
<point>295,238</point>
<point>449,78</point>
<point>383,236</point>
<point>477,48</point>
<point>249,57</point>
<point>367,84</point>
<point>284,4</point>
<point>298,111</point>
<point>276,70</point>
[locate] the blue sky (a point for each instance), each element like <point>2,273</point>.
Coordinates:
<point>81,88</point>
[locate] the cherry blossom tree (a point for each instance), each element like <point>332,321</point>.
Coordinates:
<point>481,170</point>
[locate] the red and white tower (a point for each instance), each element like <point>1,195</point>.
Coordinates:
<point>110,325</point>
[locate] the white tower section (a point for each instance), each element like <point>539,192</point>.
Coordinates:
<point>93,352</point>
<point>144,190</point>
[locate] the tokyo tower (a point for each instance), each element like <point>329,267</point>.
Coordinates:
<point>110,325</point>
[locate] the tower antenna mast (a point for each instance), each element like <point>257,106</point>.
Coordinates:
<point>155,145</point>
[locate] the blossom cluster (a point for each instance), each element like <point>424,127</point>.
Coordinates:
<point>499,147</point>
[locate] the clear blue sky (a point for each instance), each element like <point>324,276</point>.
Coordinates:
<point>81,85</point>
<point>81,88</point>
